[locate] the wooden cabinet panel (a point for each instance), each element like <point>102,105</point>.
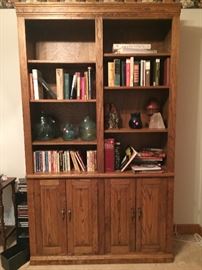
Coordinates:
<point>82,216</point>
<point>50,220</point>
<point>151,214</point>
<point>120,215</point>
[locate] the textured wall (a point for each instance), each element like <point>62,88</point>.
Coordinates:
<point>11,130</point>
<point>188,184</point>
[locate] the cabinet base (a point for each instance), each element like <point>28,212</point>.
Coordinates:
<point>103,259</point>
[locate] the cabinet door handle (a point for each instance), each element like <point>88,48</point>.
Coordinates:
<point>63,213</point>
<point>69,214</point>
<point>139,212</point>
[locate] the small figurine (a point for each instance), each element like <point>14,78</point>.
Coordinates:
<point>112,119</point>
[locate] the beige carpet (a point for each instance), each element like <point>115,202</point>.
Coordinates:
<point>188,256</point>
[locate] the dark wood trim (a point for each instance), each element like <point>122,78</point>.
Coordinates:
<point>187,228</point>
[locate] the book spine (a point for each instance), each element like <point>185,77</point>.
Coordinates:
<point>117,72</point>
<point>90,83</point>
<point>131,71</point>
<point>59,82</point>
<point>123,72</point>
<point>38,90</point>
<point>31,86</point>
<point>110,74</point>
<point>128,72</point>
<point>73,86</point>
<point>156,72</point>
<point>78,85</point>
<point>136,73</point>
<point>117,153</point>
<point>109,155</point>
<point>66,85</point>
<point>147,73</point>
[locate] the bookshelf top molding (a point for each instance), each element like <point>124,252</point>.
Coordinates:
<point>92,10</point>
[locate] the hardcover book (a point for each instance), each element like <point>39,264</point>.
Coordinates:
<point>130,154</point>
<point>109,145</point>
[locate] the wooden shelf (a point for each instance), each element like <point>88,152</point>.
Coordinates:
<point>119,88</point>
<point>55,62</point>
<point>60,141</point>
<point>63,101</point>
<point>141,130</point>
<point>138,55</point>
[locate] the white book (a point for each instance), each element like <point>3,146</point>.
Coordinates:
<point>149,167</point>
<point>60,82</point>
<point>136,46</point>
<point>38,89</point>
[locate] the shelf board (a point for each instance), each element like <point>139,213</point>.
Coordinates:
<point>62,101</point>
<point>141,130</point>
<point>141,55</point>
<point>60,141</point>
<point>119,88</point>
<point>115,174</point>
<point>47,62</point>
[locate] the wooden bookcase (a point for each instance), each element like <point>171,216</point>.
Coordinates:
<point>99,217</point>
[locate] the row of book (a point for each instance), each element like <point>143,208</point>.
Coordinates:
<point>130,72</point>
<point>68,86</point>
<point>65,161</point>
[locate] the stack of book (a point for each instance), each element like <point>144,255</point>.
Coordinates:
<point>149,159</point>
<point>140,48</point>
<point>22,185</point>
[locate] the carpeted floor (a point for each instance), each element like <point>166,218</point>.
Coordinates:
<point>188,256</point>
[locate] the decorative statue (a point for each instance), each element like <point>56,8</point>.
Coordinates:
<point>112,119</point>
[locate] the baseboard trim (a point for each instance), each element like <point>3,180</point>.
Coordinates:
<point>187,228</point>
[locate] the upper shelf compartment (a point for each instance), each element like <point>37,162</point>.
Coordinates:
<point>69,41</point>
<point>154,32</point>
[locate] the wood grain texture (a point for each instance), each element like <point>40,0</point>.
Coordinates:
<point>50,217</point>
<point>25,94</point>
<point>82,216</point>
<point>120,216</point>
<point>151,214</point>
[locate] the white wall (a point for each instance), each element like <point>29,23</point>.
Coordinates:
<point>188,184</point>
<point>12,161</point>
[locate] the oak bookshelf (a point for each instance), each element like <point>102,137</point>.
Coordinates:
<point>99,217</point>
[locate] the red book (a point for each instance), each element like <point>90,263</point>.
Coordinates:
<point>109,155</point>
<point>128,72</point>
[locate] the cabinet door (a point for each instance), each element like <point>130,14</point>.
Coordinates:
<point>151,214</point>
<point>50,220</point>
<point>119,215</point>
<point>82,216</point>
